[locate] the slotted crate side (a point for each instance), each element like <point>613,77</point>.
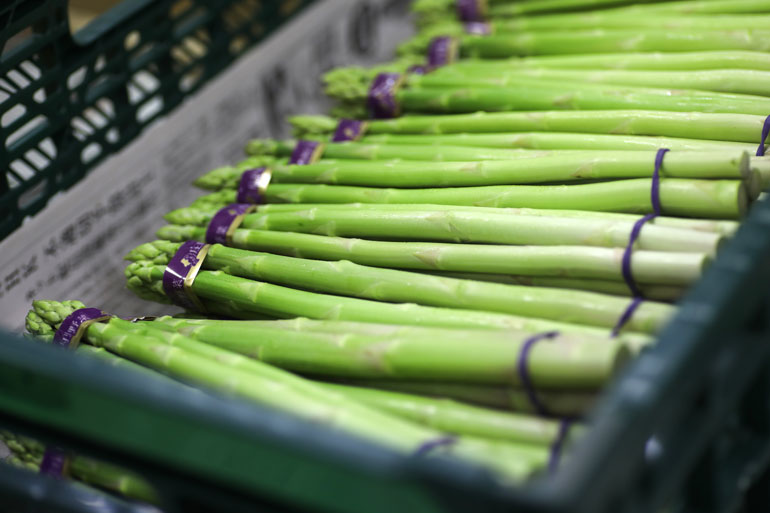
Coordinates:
<point>66,103</point>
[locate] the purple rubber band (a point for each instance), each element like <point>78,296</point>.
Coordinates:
<point>478,28</point>
<point>417,69</point>
<point>382,96</point>
<point>348,130</point>
<point>635,231</point>
<point>765,133</point>
<point>216,233</point>
<point>558,445</point>
<point>469,10</point>
<point>431,445</point>
<point>441,52</point>
<point>54,462</point>
<point>176,272</point>
<point>248,188</point>
<point>304,152</point>
<point>523,370</point>
<point>70,325</point>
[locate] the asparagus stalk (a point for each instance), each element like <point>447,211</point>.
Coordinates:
<point>567,361</point>
<point>349,279</point>
<point>572,262</point>
<point>697,125</point>
<point>241,295</point>
<point>211,366</point>
<point>557,141</point>
<point>750,82</point>
<point>559,42</point>
<point>566,403</point>
<point>478,227</point>
<point>712,199</point>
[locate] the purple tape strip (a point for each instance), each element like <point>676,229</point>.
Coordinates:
<point>558,445</point>
<point>478,28</point>
<point>440,52</point>
<point>469,10</point>
<point>54,461</point>
<point>248,188</point>
<point>431,445</point>
<point>382,96</point>
<point>304,152</point>
<point>635,231</point>
<point>216,233</point>
<point>417,69</point>
<point>70,325</point>
<point>523,370</point>
<point>348,130</point>
<point>176,272</point>
<point>765,133</point>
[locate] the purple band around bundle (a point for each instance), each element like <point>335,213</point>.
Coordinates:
<point>469,10</point>
<point>54,462</point>
<point>635,231</point>
<point>382,95</point>
<point>71,324</point>
<point>417,69</point>
<point>765,133</point>
<point>478,28</point>
<point>348,130</point>
<point>176,272</point>
<point>304,152</point>
<point>523,370</point>
<point>220,224</point>
<point>557,446</point>
<point>430,445</point>
<point>249,190</point>
<point>441,52</point>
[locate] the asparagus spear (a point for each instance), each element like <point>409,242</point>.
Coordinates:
<point>241,295</point>
<point>567,403</point>
<point>598,41</point>
<point>697,125</point>
<point>208,365</point>
<point>582,262</point>
<point>713,199</point>
<point>479,227</point>
<point>567,361</point>
<point>557,141</point>
<point>349,279</point>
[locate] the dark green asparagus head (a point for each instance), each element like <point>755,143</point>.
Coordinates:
<point>158,252</point>
<point>145,279</point>
<point>312,125</point>
<point>181,233</point>
<point>46,317</point>
<point>193,216</point>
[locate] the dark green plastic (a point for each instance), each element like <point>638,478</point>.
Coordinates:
<point>68,102</point>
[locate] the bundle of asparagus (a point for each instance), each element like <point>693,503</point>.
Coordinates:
<point>174,347</point>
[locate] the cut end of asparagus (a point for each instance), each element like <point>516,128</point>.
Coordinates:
<point>305,126</point>
<point>158,252</point>
<point>46,316</point>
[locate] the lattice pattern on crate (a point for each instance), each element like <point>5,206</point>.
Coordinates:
<point>68,102</point>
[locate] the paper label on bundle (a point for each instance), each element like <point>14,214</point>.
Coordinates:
<point>478,28</point>
<point>177,271</point>
<point>306,152</point>
<point>349,130</point>
<point>471,10</point>
<point>442,51</point>
<point>70,328</point>
<point>252,185</point>
<point>382,95</point>
<point>222,224</point>
<point>54,462</point>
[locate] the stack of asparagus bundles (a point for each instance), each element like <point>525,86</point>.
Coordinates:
<point>463,274</point>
